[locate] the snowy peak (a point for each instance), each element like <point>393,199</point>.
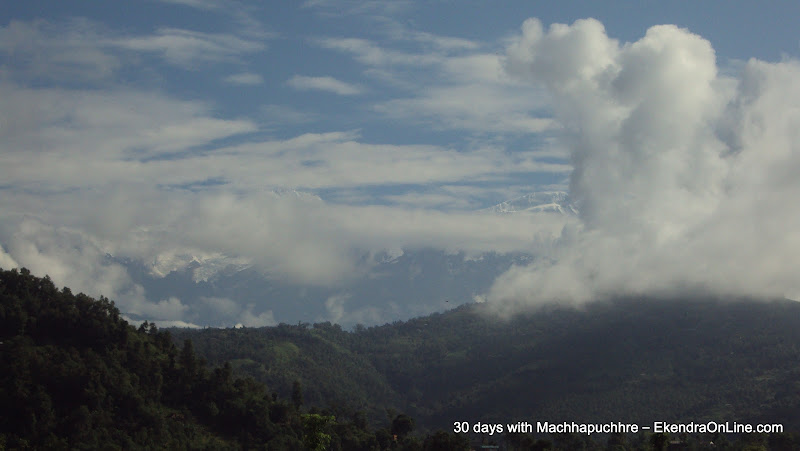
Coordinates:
<point>202,266</point>
<point>540,202</point>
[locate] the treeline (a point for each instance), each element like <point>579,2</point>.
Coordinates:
<point>77,376</point>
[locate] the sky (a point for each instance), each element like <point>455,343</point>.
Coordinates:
<point>300,136</point>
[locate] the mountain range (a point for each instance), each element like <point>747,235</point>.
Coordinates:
<point>409,283</point>
<point>539,202</point>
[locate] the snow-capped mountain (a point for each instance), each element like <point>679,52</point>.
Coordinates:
<point>408,282</point>
<point>539,202</point>
<point>202,266</point>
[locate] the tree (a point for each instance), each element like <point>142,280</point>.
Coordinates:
<point>188,359</point>
<point>315,431</point>
<point>442,441</point>
<point>617,442</point>
<point>297,394</point>
<point>659,441</point>
<point>402,425</point>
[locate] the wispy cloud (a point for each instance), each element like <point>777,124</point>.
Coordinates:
<point>356,7</point>
<point>465,90</point>
<point>201,4</point>
<point>188,48</point>
<point>66,52</point>
<point>369,53</point>
<point>328,84</point>
<point>245,79</point>
<point>500,109</point>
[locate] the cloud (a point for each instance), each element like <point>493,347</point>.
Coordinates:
<point>170,309</point>
<point>75,259</point>
<point>681,173</point>
<point>283,114</point>
<point>171,323</point>
<point>399,32</point>
<point>358,7</point>
<point>467,91</point>
<point>6,262</point>
<point>245,79</point>
<point>63,52</point>
<point>146,176</point>
<point>201,4</point>
<point>222,306</point>
<point>328,84</point>
<point>335,307</point>
<point>230,313</point>
<point>371,54</point>
<point>263,319</point>
<point>188,48</point>
<point>80,51</point>
<point>150,176</point>
<point>454,107</point>
<point>436,200</point>
<point>454,85</point>
<point>103,141</point>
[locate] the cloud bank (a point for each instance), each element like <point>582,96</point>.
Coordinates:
<point>686,178</point>
<point>684,173</point>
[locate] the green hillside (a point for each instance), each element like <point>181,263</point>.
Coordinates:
<point>633,360</point>
<point>77,376</point>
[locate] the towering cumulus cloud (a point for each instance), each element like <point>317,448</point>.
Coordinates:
<point>687,179</point>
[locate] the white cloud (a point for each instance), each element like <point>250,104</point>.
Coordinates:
<point>685,176</point>
<point>398,32</point>
<point>173,323</point>
<point>245,79</point>
<point>328,84</point>
<point>73,258</point>
<point>263,319</point>
<point>6,262</point>
<point>201,4</point>
<point>64,52</point>
<point>97,137</point>
<point>371,54</point>
<point>430,200</point>
<point>335,307</point>
<point>474,107</point>
<point>123,167</point>
<point>682,174</point>
<point>170,309</point>
<point>357,7</point>
<point>187,48</point>
<point>222,306</point>
<point>453,84</point>
<point>81,51</point>
<point>139,174</point>
<point>230,313</point>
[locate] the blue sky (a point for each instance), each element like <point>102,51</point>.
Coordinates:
<point>294,135</point>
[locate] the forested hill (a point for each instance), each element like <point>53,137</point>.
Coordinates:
<point>634,360</point>
<point>75,375</point>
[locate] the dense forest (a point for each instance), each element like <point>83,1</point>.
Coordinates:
<point>631,360</point>
<point>76,375</point>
